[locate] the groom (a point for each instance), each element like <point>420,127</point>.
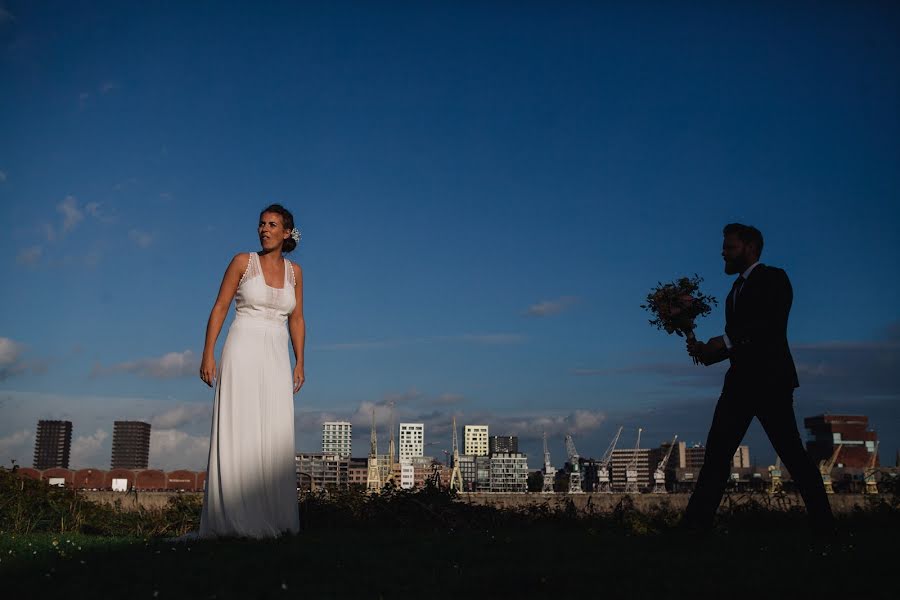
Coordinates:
<point>759,383</point>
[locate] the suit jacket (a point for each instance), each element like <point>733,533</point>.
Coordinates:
<point>760,357</point>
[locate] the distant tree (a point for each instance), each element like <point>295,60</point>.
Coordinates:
<point>535,481</point>
<point>561,483</point>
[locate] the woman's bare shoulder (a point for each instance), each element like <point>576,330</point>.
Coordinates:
<point>240,263</point>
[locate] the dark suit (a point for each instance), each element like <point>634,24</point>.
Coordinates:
<point>759,383</point>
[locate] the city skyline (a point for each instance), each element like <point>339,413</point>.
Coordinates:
<point>486,195</point>
<point>415,434</point>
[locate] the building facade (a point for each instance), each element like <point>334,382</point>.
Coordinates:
<point>337,438</point>
<point>741,458</point>
<point>475,438</point>
<point>692,458</point>
<point>316,471</point>
<point>467,471</point>
<point>621,458</point>
<point>407,474</point>
<point>52,445</point>
<point>503,444</point>
<point>412,440</point>
<point>508,472</point>
<point>851,432</point>
<point>130,445</point>
<point>358,472</point>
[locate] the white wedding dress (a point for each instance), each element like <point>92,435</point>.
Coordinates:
<point>251,484</point>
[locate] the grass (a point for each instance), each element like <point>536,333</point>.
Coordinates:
<point>426,545</point>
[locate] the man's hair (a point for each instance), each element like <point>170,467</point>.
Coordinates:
<point>746,233</point>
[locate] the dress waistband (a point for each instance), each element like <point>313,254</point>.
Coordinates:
<point>258,321</point>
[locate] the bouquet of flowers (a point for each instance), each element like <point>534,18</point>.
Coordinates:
<point>676,305</point>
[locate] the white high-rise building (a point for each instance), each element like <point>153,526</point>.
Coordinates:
<point>412,440</point>
<point>337,437</point>
<point>741,458</point>
<point>476,440</point>
<point>407,474</point>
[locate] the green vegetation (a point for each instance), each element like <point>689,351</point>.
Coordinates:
<point>425,544</point>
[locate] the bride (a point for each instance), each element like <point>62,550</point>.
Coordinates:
<point>251,487</point>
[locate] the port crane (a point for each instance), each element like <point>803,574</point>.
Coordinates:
<point>549,470</point>
<point>775,484</point>
<point>869,473</point>
<point>456,482</point>
<point>575,475</point>
<point>373,480</point>
<point>631,472</point>
<point>659,476</point>
<point>826,466</point>
<point>604,482</point>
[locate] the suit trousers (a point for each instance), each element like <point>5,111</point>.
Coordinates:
<point>732,417</point>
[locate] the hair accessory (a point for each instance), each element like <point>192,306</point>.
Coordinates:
<point>295,233</point>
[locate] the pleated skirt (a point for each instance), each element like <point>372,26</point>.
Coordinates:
<point>251,485</point>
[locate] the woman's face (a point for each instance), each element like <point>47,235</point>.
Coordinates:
<point>271,231</point>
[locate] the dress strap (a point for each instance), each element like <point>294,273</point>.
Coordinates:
<point>290,272</point>
<point>247,274</point>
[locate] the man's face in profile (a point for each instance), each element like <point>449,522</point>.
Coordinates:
<point>737,254</point>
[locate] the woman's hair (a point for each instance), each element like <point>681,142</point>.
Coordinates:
<point>287,218</point>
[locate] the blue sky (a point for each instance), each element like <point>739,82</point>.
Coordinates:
<point>486,193</point>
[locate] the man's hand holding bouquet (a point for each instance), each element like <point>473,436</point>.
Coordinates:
<point>677,305</point>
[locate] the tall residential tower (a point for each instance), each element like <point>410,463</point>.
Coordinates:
<point>52,444</point>
<point>130,445</point>
<point>337,437</point>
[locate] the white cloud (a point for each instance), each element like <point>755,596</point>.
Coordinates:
<point>533,426</point>
<point>108,86</point>
<point>141,238</point>
<point>29,256</point>
<point>449,399</point>
<point>49,232</point>
<point>550,307</point>
<point>2,173</point>
<point>72,214</point>
<point>311,421</point>
<point>472,338</point>
<point>17,446</point>
<point>168,366</point>
<point>93,208</point>
<point>11,362</point>
<point>9,351</point>
<point>87,450</point>
<point>172,449</point>
<point>179,415</point>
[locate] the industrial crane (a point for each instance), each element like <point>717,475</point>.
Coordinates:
<point>826,466</point>
<point>549,470</point>
<point>456,482</point>
<point>604,483</point>
<point>631,472</point>
<point>373,481</point>
<point>659,476</point>
<point>869,473</point>
<point>775,486</point>
<point>575,475</point>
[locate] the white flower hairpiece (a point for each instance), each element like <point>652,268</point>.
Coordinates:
<point>295,233</point>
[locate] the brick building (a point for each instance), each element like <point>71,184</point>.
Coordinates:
<point>852,432</point>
